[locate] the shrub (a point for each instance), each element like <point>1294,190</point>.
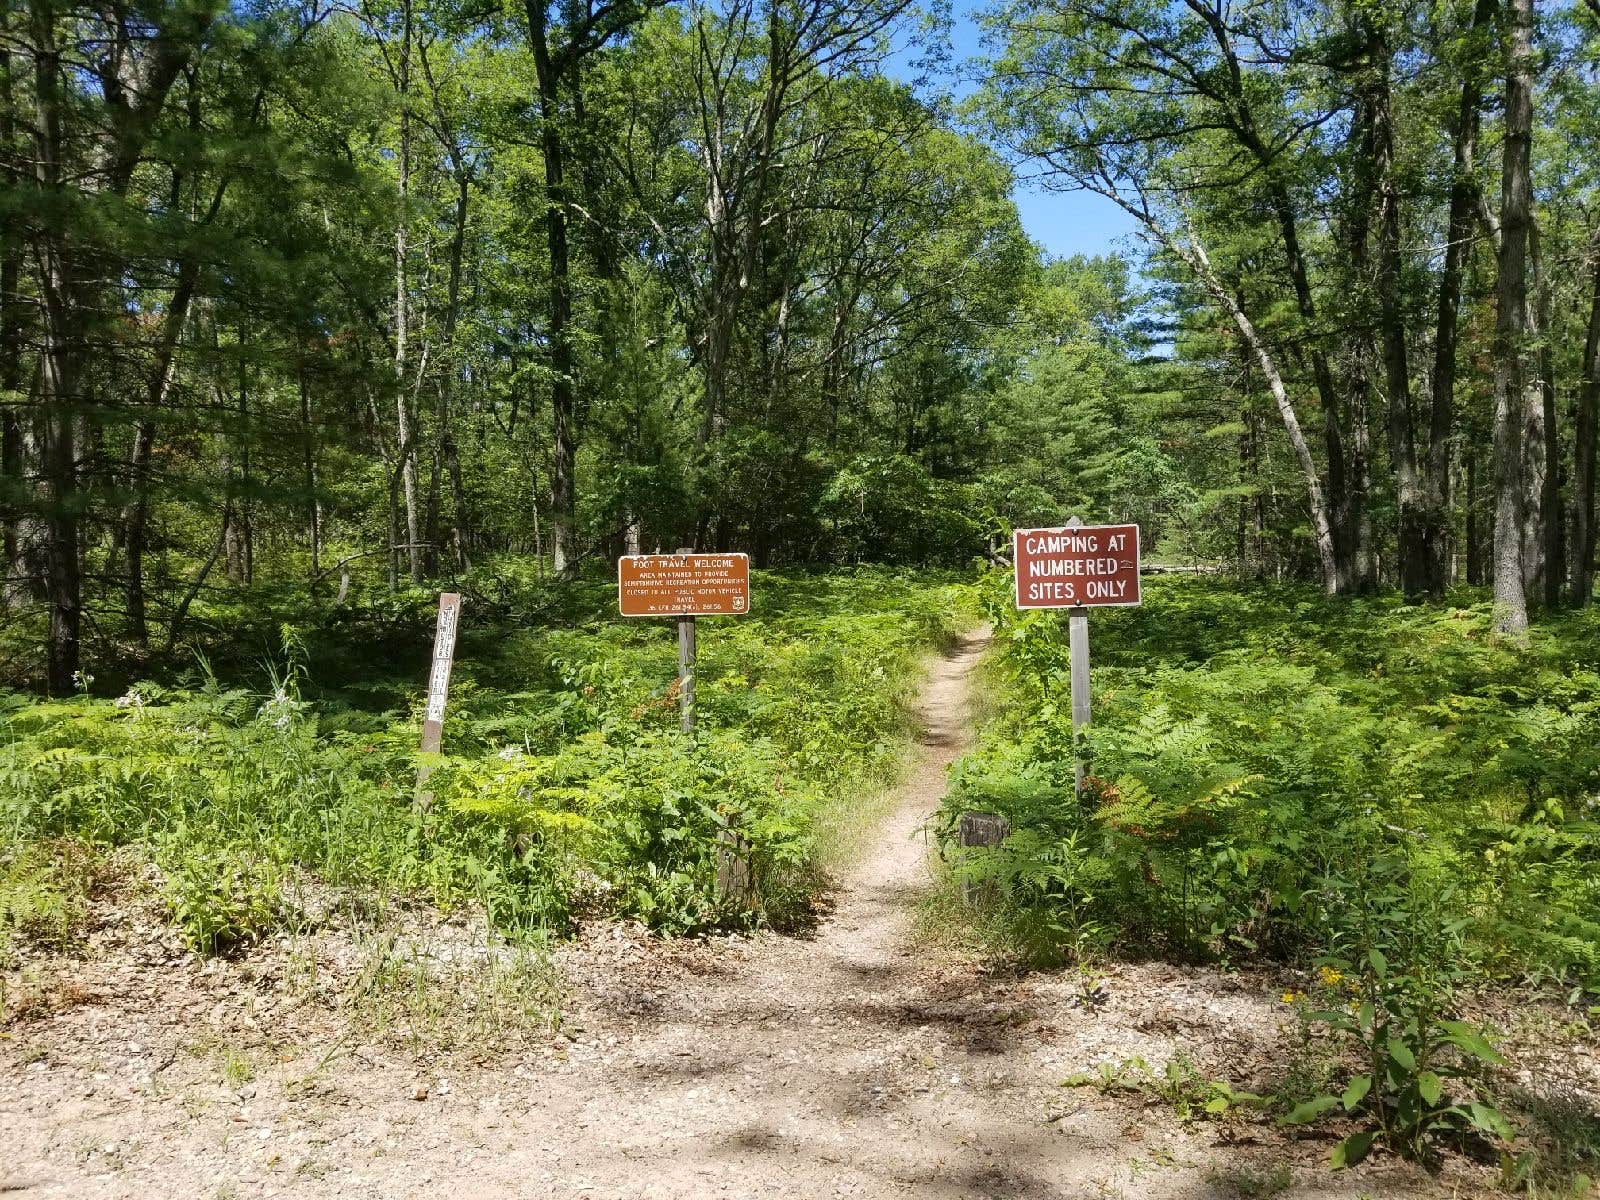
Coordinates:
<point>1389,794</point>
<point>567,785</point>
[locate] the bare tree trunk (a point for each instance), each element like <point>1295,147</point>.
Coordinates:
<point>11,486</point>
<point>447,441</point>
<point>241,529</point>
<point>1538,464</point>
<point>1463,201</point>
<point>1584,433</point>
<point>563,397</point>
<point>1550,530</point>
<point>405,418</point>
<point>1420,547</point>
<point>736,206</point>
<point>308,442</point>
<point>1359,572</point>
<point>12,467</point>
<point>1512,325</point>
<point>1474,541</point>
<point>135,528</point>
<point>1322,529</point>
<point>1347,494</point>
<point>24,583</point>
<point>61,345</point>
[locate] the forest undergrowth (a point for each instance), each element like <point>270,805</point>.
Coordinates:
<point>1390,800</point>
<point>566,787</point>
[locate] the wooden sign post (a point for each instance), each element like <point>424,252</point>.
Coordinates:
<point>444,649</point>
<point>1077,567</point>
<point>686,656</point>
<point>685,585</point>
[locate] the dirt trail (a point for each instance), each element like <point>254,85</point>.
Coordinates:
<point>847,1063</point>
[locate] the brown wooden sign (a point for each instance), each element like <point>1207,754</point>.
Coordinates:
<point>683,585</point>
<point>1077,566</point>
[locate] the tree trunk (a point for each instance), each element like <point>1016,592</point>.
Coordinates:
<point>447,442</point>
<point>308,444</point>
<point>1458,244</point>
<point>241,543</point>
<point>1419,547</point>
<point>12,467</point>
<point>1538,464</point>
<point>563,487</point>
<point>1584,436</point>
<point>1473,540</point>
<point>405,418</point>
<point>1511,324</point>
<point>135,525</point>
<point>1322,530</point>
<point>735,208</point>
<point>1345,509</point>
<point>11,486</point>
<point>1545,457</point>
<point>61,345</point>
<point>158,389</point>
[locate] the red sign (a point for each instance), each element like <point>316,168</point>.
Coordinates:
<point>683,585</point>
<point>1077,566</point>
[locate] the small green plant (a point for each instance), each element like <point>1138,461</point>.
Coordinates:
<point>1561,1158</point>
<point>221,898</point>
<point>1391,981</point>
<point>1255,1183</point>
<point>237,1068</point>
<point>1234,728</point>
<point>44,893</point>
<point>1191,1095</point>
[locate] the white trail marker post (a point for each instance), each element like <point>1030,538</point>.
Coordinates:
<point>444,649</point>
<point>1076,567</point>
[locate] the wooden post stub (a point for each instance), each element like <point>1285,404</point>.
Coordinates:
<point>734,881</point>
<point>981,829</point>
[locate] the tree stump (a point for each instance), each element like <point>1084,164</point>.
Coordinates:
<point>982,829</point>
<point>733,867</point>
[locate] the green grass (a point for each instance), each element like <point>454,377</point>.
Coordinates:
<point>565,785</point>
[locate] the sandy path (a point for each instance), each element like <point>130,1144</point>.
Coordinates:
<point>849,1063</point>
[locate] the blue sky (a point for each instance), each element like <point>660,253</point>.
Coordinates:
<point>1074,222</point>
<point>1062,222</point>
